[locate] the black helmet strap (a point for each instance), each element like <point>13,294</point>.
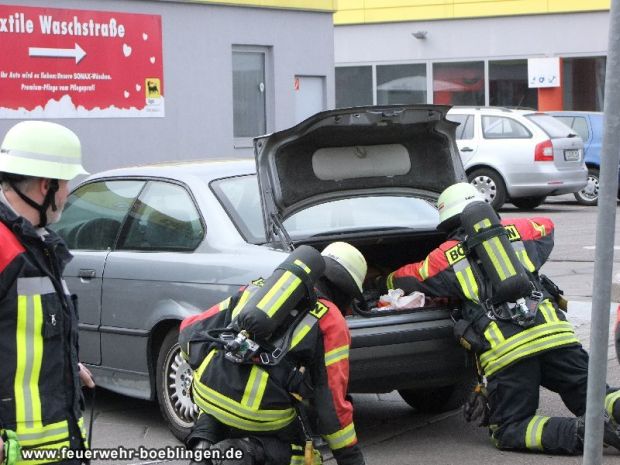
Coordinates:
<point>50,199</point>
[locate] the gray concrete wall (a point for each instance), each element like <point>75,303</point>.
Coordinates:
<point>197,46</point>
<point>573,34</point>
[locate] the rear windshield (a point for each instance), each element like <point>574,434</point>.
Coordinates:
<point>240,197</point>
<point>550,125</point>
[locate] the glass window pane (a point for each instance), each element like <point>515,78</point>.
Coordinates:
<point>353,86</point>
<point>163,218</point>
<point>553,127</point>
<point>401,84</point>
<point>584,83</point>
<point>580,125</point>
<point>458,83</point>
<point>94,213</point>
<point>465,130</point>
<point>249,94</point>
<point>508,85</point>
<point>498,127</point>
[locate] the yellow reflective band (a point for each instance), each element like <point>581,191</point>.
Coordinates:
<point>533,434</point>
<point>497,254</point>
<point>548,311</point>
<point>198,373</point>
<point>245,296</point>
<point>224,305</point>
<point>297,460</point>
<point>334,356</point>
<point>610,400</point>
<point>342,438</point>
<point>83,432</point>
<point>389,282</point>
<point>277,295</point>
<point>29,339</point>
<point>493,335</point>
<point>255,389</point>
<point>424,270</point>
<point>540,345</point>
<point>39,435</point>
<point>539,227</point>
<point>468,283</point>
<point>233,418</point>
<point>302,265</point>
<point>212,396</point>
<point>302,329</point>
<point>524,258</point>
<point>525,337</point>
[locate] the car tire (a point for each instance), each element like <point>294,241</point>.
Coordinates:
<point>528,203</point>
<point>173,383</point>
<point>491,186</point>
<point>589,194</point>
<point>439,399</point>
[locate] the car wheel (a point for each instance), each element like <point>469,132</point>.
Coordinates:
<point>528,203</point>
<point>589,194</point>
<point>174,379</point>
<point>491,186</point>
<point>440,399</point>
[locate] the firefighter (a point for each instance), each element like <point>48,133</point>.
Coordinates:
<point>518,347</point>
<point>261,409</point>
<point>40,393</point>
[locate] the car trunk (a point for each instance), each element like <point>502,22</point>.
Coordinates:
<point>567,146</point>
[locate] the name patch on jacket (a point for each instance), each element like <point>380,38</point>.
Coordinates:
<point>319,310</point>
<point>455,254</point>
<point>513,233</point>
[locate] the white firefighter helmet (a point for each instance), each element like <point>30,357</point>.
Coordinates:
<point>455,198</point>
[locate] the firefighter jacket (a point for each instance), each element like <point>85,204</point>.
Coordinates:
<point>40,394</point>
<point>447,271</point>
<point>256,398</point>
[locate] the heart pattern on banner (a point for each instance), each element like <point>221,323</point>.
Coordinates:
<point>126,50</point>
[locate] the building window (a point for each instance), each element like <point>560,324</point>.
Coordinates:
<point>249,87</point>
<point>584,83</point>
<point>353,86</point>
<point>508,85</point>
<point>401,84</point>
<point>458,83</point>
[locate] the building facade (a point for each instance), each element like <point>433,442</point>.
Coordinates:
<point>460,52</point>
<point>225,71</point>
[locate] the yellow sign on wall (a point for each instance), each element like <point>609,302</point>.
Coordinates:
<point>381,11</point>
<point>310,5</point>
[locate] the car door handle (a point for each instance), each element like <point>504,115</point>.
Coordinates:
<point>87,274</point>
<point>467,149</point>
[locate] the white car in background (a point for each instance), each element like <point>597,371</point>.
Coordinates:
<point>520,156</point>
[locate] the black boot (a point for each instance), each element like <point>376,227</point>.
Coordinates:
<point>611,432</point>
<point>199,449</point>
<point>245,451</point>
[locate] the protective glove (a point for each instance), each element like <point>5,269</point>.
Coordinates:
<point>476,407</point>
<point>11,448</point>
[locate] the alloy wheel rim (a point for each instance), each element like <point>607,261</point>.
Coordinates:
<point>590,191</point>
<point>178,379</point>
<point>486,186</point>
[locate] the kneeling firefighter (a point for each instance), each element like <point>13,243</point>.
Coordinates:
<point>264,355</point>
<point>513,320</point>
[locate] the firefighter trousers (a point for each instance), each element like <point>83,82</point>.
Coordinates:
<point>514,396</point>
<point>277,445</point>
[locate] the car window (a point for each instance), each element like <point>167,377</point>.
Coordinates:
<point>94,213</point>
<point>580,126</point>
<point>554,128</point>
<point>500,127</point>
<point>240,198</point>
<point>163,218</point>
<point>361,213</point>
<point>465,130</point>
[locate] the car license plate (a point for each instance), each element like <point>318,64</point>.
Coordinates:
<point>572,155</point>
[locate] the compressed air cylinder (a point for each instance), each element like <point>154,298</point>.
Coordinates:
<point>498,260</point>
<point>269,305</point>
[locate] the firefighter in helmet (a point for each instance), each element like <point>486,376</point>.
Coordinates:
<point>40,374</point>
<point>287,356</point>
<point>511,319</point>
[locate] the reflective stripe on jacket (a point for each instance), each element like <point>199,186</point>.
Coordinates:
<point>39,384</point>
<point>446,271</point>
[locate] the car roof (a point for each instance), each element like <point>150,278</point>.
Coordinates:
<point>205,169</point>
<point>473,109</point>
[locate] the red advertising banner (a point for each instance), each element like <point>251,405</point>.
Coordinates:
<point>59,63</point>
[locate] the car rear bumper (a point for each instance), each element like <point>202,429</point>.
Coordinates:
<point>547,180</point>
<point>410,354</point>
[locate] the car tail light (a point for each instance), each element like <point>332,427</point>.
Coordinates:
<point>544,151</point>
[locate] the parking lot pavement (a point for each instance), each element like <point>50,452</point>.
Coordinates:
<point>390,432</point>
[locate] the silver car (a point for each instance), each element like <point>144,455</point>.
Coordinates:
<point>155,244</point>
<point>521,156</point>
